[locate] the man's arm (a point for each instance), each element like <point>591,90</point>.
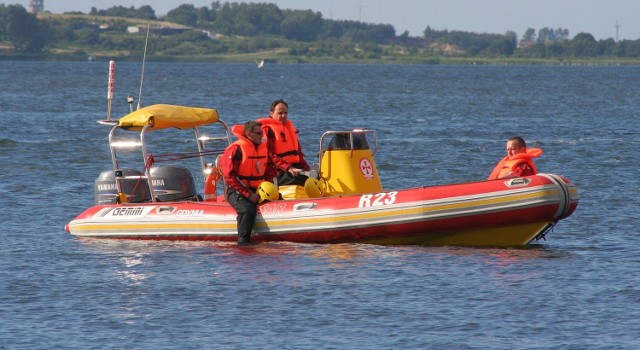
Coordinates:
<point>522,169</point>
<point>229,164</point>
<point>279,163</point>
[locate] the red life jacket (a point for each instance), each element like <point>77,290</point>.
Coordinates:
<point>509,165</point>
<point>286,143</point>
<point>254,159</point>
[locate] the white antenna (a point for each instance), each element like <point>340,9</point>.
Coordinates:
<point>144,59</point>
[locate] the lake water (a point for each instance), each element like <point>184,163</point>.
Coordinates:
<point>579,289</point>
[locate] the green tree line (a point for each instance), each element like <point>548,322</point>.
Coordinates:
<point>241,28</point>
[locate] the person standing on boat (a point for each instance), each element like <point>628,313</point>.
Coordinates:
<point>518,161</point>
<point>244,165</point>
<point>282,140</point>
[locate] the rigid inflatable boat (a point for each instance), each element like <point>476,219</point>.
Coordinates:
<point>344,201</point>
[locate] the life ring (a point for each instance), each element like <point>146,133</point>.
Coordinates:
<point>210,185</point>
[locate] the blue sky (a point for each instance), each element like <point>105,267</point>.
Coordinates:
<point>597,17</point>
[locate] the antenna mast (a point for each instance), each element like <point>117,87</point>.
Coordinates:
<point>144,59</point>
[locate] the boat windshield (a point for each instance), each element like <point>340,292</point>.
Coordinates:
<point>342,141</point>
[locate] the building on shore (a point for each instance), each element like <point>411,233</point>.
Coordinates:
<point>36,6</point>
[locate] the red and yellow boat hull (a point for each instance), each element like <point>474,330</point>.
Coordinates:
<point>506,212</point>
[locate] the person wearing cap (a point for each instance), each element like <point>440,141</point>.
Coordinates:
<point>243,165</point>
<point>518,161</point>
<point>282,140</point>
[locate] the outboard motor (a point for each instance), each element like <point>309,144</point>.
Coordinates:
<point>173,183</point>
<point>134,185</point>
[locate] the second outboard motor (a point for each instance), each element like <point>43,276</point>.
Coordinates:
<point>133,185</point>
<point>173,183</point>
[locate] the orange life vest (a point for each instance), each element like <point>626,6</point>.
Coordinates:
<point>286,144</point>
<point>254,160</point>
<point>508,164</point>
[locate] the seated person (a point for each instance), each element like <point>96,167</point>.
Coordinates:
<point>244,165</point>
<point>518,161</point>
<point>282,140</point>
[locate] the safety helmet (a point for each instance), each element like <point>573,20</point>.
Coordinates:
<point>313,187</point>
<point>268,192</point>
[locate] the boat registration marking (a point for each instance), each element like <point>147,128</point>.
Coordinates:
<point>377,199</point>
<point>272,208</point>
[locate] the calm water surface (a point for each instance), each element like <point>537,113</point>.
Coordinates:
<point>579,289</point>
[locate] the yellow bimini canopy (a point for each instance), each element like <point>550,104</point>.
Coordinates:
<point>163,116</point>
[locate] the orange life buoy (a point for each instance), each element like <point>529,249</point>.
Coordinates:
<point>210,184</point>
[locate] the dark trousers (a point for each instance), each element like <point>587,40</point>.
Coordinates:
<point>246,214</point>
<point>284,178</point>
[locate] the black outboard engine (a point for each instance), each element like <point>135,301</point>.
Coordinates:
<point>173,183</point>
<point>133,185</point>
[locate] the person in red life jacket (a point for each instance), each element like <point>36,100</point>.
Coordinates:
<point>518,162</point>
<point>282,140</point>
<point>243,166</point>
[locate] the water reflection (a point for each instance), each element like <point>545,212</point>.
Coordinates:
<point>128,272</point>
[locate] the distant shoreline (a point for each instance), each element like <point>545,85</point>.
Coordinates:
<point>283,59</point>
